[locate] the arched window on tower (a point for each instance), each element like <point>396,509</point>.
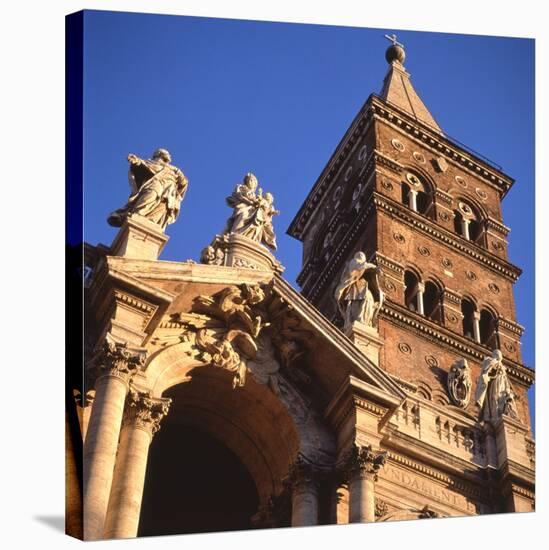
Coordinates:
<point>416,195</point>
<point>471,318</point>
<point>469,223</point>
<point>432,303</point>
<point>413,292</point>
<point>487,329</point>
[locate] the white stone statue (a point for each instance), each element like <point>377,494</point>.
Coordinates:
<point>358,295</point>
<point>459,382</point>
<point>494,394</point>
<point>252,212</point>
<point>157,189</point>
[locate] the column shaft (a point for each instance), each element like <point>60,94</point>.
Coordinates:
<point>305,504</point>
<point>419,297</point>
<point>362,498</point>
<point>100,452</point>
<point>412,197</point>
<point>476,326</point>
<point>129,479</point>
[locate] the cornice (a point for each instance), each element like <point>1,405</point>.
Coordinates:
<point>358,127</point>
<point>429,227</point>
<point>436,333</point>
<point>449,481</point>
<point>439,144</point>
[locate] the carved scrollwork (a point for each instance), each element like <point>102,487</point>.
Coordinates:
<point>118,359</point>
<point>451,317</point>
<point>459,383</point>
<point>362,461</point>
<point>246,329</point>
<point>471,275</point>
<point>144,411</point>
<point>405,348</point>
<point>446,263</point>
<point>398,145</point>
<point>492,287</point>
<point>419,157</point>
<point>381,508</point>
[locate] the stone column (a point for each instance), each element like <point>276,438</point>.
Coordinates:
<point>419,295</point>
<point>116,364</point>
<point>465,228</point>
<point>141,421</point>
<point>361,467</point>
<point>476,326</point>
<point>304,485</point>
<point>412,198</point>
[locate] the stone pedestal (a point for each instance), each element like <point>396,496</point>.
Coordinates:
<point>367,339</point>
<point>139,239</point>
<point>243,252</point>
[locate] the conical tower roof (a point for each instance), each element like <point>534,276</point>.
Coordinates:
<point>398,90</point>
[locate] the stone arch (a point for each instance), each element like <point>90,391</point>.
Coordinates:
<point>266,431</point>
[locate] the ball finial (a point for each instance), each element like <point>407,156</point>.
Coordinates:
<point>395,52</point>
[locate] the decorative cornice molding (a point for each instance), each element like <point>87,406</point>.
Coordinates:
<point>453,241</point>
<point>433,474</point>
<point>440,335</point>
<point>497,226</point>
<point>511,326</point>
<point>438,144</point>
<point>384,261</point>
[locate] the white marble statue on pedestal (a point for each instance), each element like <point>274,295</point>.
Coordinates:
<point>358,295</point>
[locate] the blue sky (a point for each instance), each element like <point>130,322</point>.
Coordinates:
<point>230,96</point>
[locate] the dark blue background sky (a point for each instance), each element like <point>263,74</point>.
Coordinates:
<point>227,97</point>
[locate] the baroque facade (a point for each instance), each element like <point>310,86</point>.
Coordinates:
<point>216,397</point>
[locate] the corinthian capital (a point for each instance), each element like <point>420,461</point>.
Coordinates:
<point>117,359</point>
<point>145,412</point>
<point>302,472</point>
<point>362,460</point>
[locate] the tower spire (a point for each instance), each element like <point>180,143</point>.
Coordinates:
<point>397,87</point>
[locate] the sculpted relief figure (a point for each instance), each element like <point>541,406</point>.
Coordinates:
<point>494,394</point>
<point>157,189</point>
<point>459,382</point>
<point>358,295</point>
<point>252,212</point>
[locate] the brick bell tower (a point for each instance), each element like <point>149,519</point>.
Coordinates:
<point>427,211</point>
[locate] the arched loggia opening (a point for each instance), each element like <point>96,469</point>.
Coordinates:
<point>470,324</point>
<point>487,324</point>
<point>412,297</point>
<point>199,485</point>
<point>220,456</point>
<point>432,301</point>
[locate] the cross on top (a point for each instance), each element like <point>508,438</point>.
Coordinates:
<point>393,39</point>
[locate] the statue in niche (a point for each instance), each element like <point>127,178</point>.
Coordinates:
<point>252,212</point>
<point>358,295</point>
<point>494,395</point>
<point>459,382</point>
<point>157,189</point>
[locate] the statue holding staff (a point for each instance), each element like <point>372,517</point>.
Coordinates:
<point>157,189</point>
